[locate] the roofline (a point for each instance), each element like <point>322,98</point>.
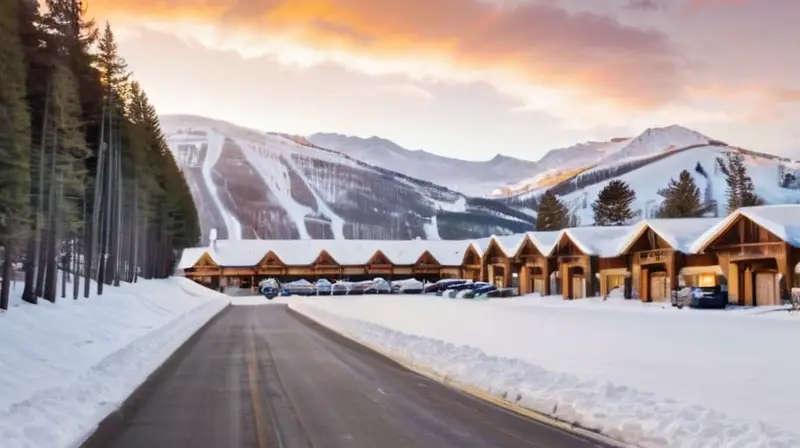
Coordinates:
<point>722,227</point>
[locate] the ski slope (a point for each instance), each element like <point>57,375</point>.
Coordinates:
<point>647,180</point>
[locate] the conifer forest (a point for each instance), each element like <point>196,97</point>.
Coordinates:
<point>88,187</point>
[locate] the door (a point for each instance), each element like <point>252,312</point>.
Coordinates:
<point>766,289</point>
<point>538,285</point>
<point>578,287</point>
<point>658,287</point>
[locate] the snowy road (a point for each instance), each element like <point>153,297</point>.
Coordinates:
<point>263,377</point>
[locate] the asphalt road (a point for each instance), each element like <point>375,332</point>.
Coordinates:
<point>265,377</point>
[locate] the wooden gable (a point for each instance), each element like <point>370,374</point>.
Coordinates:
<point>324,259</point>
<point>379,259</point>
<point>527,250</point>
<point>494,254</point>
<point>649,240</point>
<point>471,256</point>
<point>743,231</point>
<point>427,260</point>
<point>566,248</point>
<point>271,260</point>
<point>205,261</point>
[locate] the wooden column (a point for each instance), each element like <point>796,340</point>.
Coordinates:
<point>748,287</point>
<point>733,283</point>
<point>546,272</point>
<point>644,290</point>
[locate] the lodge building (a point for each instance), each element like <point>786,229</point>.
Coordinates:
<point>755,252</point>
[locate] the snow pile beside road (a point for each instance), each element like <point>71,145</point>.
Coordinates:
<point>653,378</point>
<point>65,366</point>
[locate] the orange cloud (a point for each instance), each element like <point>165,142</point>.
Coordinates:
<point>543,45</point>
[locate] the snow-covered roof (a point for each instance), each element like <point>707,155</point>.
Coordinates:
<point>190,256</point>
<point>782,221</point>
<point>679,233</point>
<point>509,244</point>
<point>600,241</point>
<point>344,252</point>
<point>544,241</point>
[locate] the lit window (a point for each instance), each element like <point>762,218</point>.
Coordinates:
<point>707,280</point>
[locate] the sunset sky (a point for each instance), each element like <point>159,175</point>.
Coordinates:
<point>473,78</point>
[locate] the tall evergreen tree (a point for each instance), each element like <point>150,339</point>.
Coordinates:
<point>740,190</point>
<point>14,143</point>
<point>89,145</point>
<point>613,204</point>
<point>682,198</point>
<point>553,213</point>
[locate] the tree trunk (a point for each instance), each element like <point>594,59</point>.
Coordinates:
<point>119,226</point>
<point>93,230</point>
<point>7,273</point>
<point>51,273</point>
<point>33,258</point>
<point>28,294</point>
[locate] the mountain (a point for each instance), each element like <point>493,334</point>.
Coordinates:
<point>250,184</point>
<point>563,163</point>
<point>647,163</point>
<point>468,177</point>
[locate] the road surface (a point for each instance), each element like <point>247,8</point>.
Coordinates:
<point>265,377</point>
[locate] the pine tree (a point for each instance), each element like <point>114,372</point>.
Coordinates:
<point>553,213</point>
<point>14,143</point>
<point>682,198</point>
<point>613,204</point>
<point>740,191</point>
<point>91,147</point>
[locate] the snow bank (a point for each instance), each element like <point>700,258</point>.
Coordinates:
<point>649,376</point>
<point>65,366</point>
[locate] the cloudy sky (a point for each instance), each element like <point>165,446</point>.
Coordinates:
<point>473,78</point>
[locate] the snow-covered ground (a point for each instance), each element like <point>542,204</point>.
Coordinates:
<point>645,374</point>
<point>65,366</point>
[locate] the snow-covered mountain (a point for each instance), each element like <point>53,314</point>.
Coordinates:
<point>249,184</point>
<point>563,163</point>
<point>647,163</point>
<point>468,177</point>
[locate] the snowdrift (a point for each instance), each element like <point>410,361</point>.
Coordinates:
<point>66,366</point>
<point>643,375</point>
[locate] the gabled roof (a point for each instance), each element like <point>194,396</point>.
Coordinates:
<point>544,241</point>
<point>600,241</point>
<point>509,244</point>
<point>783,221</point>
<point>190,256</point>
<point>679,233</point>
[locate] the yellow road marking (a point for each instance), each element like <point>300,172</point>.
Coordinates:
<point>255,390</point>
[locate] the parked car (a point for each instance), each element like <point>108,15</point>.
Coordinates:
<point>408,286</point>
<point>323,287</point>
<point>340,288</point>
<point>269,288</point>
<point>441,285</point>
<point>298,288</point>
<point>358,288</point>
<point>707,297</point>
<point>379,286</point>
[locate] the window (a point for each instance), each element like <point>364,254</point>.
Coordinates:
<point>707,280</point>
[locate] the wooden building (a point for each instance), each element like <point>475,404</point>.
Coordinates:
<point>229,262</point>
<point>536,267</point>
<point>758,250</point>
<point>657,255</point>
<point>755,252</point>
<point>498,268</point>
<point>587,260</point>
